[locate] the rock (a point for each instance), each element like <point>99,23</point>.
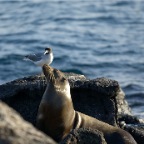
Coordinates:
<point>137,131</point>
<point>84,136</point>
<point>122,105</point>
<point>95,98</point>
<point>101,98</point>
<point>134,126</point>
<point>92,97</point>
<point>127,121</point>
<point>14,130</point>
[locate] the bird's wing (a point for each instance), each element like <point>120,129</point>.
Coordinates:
<point>34,57</point>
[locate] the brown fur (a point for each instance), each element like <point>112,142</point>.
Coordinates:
<point>57,117</point>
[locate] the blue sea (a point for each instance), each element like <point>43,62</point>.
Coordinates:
<point>101,38</point>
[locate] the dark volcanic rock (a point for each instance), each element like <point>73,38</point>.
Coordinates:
<point>137,131</point>
<point>127,121</point>
<point>24,95</point>
<point>92,97</point>
<point>84,136</point>
<point>101,98</point>
<point>95,98</point>
<point>14,130</point>
<point>134,126</point>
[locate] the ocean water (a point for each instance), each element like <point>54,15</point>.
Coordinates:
<point>95,38</point>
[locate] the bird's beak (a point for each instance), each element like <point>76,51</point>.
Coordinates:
<point>45,52</point>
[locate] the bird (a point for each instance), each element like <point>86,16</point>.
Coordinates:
<point>41,58</point>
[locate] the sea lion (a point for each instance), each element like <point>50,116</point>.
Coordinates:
<point>57,117</point>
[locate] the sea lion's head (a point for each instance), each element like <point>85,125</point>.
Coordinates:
<point>56,78</point>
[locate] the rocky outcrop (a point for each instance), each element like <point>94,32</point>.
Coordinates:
<point>14,130</point>
<point>127,121</point>
<point>93,97</point>
<point>84,136</point>
<point>101,98</point>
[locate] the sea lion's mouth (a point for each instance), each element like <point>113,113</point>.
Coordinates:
<point>47,70</point>
<point>53,75</point>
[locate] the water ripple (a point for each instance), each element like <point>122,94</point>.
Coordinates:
<point>101,39</point>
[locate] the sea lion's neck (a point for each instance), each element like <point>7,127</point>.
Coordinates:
<point>55,92</point>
